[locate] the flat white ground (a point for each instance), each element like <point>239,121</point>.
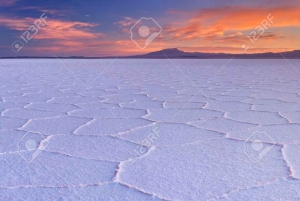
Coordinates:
<point>149,130</point>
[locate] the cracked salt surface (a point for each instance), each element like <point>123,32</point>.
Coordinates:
<point>142,130</point>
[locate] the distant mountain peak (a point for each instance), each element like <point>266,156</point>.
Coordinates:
<point>168,52</point>
<point>172,49</point>
<point>176,53</point>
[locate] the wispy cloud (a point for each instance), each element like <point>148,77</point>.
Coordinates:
<point>55,29</point>
<point>4,3</point>
<point>67,30</point>
<point>127,21</point>
<point>125,24</point>
<point>60,13</point>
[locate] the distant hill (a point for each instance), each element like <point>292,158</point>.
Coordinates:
<point>176,53</point>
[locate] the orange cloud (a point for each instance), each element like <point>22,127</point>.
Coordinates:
<point>16,24</point>
<point>54,29</point>
<point>65,30</point>
<point>248,18</point>
<point>215,22</point>
<point>226,27</point>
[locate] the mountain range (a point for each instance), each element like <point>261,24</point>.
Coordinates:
<point>178,54</point>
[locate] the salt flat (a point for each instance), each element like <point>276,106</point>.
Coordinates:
<point>127,129</point>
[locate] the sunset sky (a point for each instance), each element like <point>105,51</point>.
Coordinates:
<point>102,28</point>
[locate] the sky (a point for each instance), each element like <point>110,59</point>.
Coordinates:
<point>98,28</point>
